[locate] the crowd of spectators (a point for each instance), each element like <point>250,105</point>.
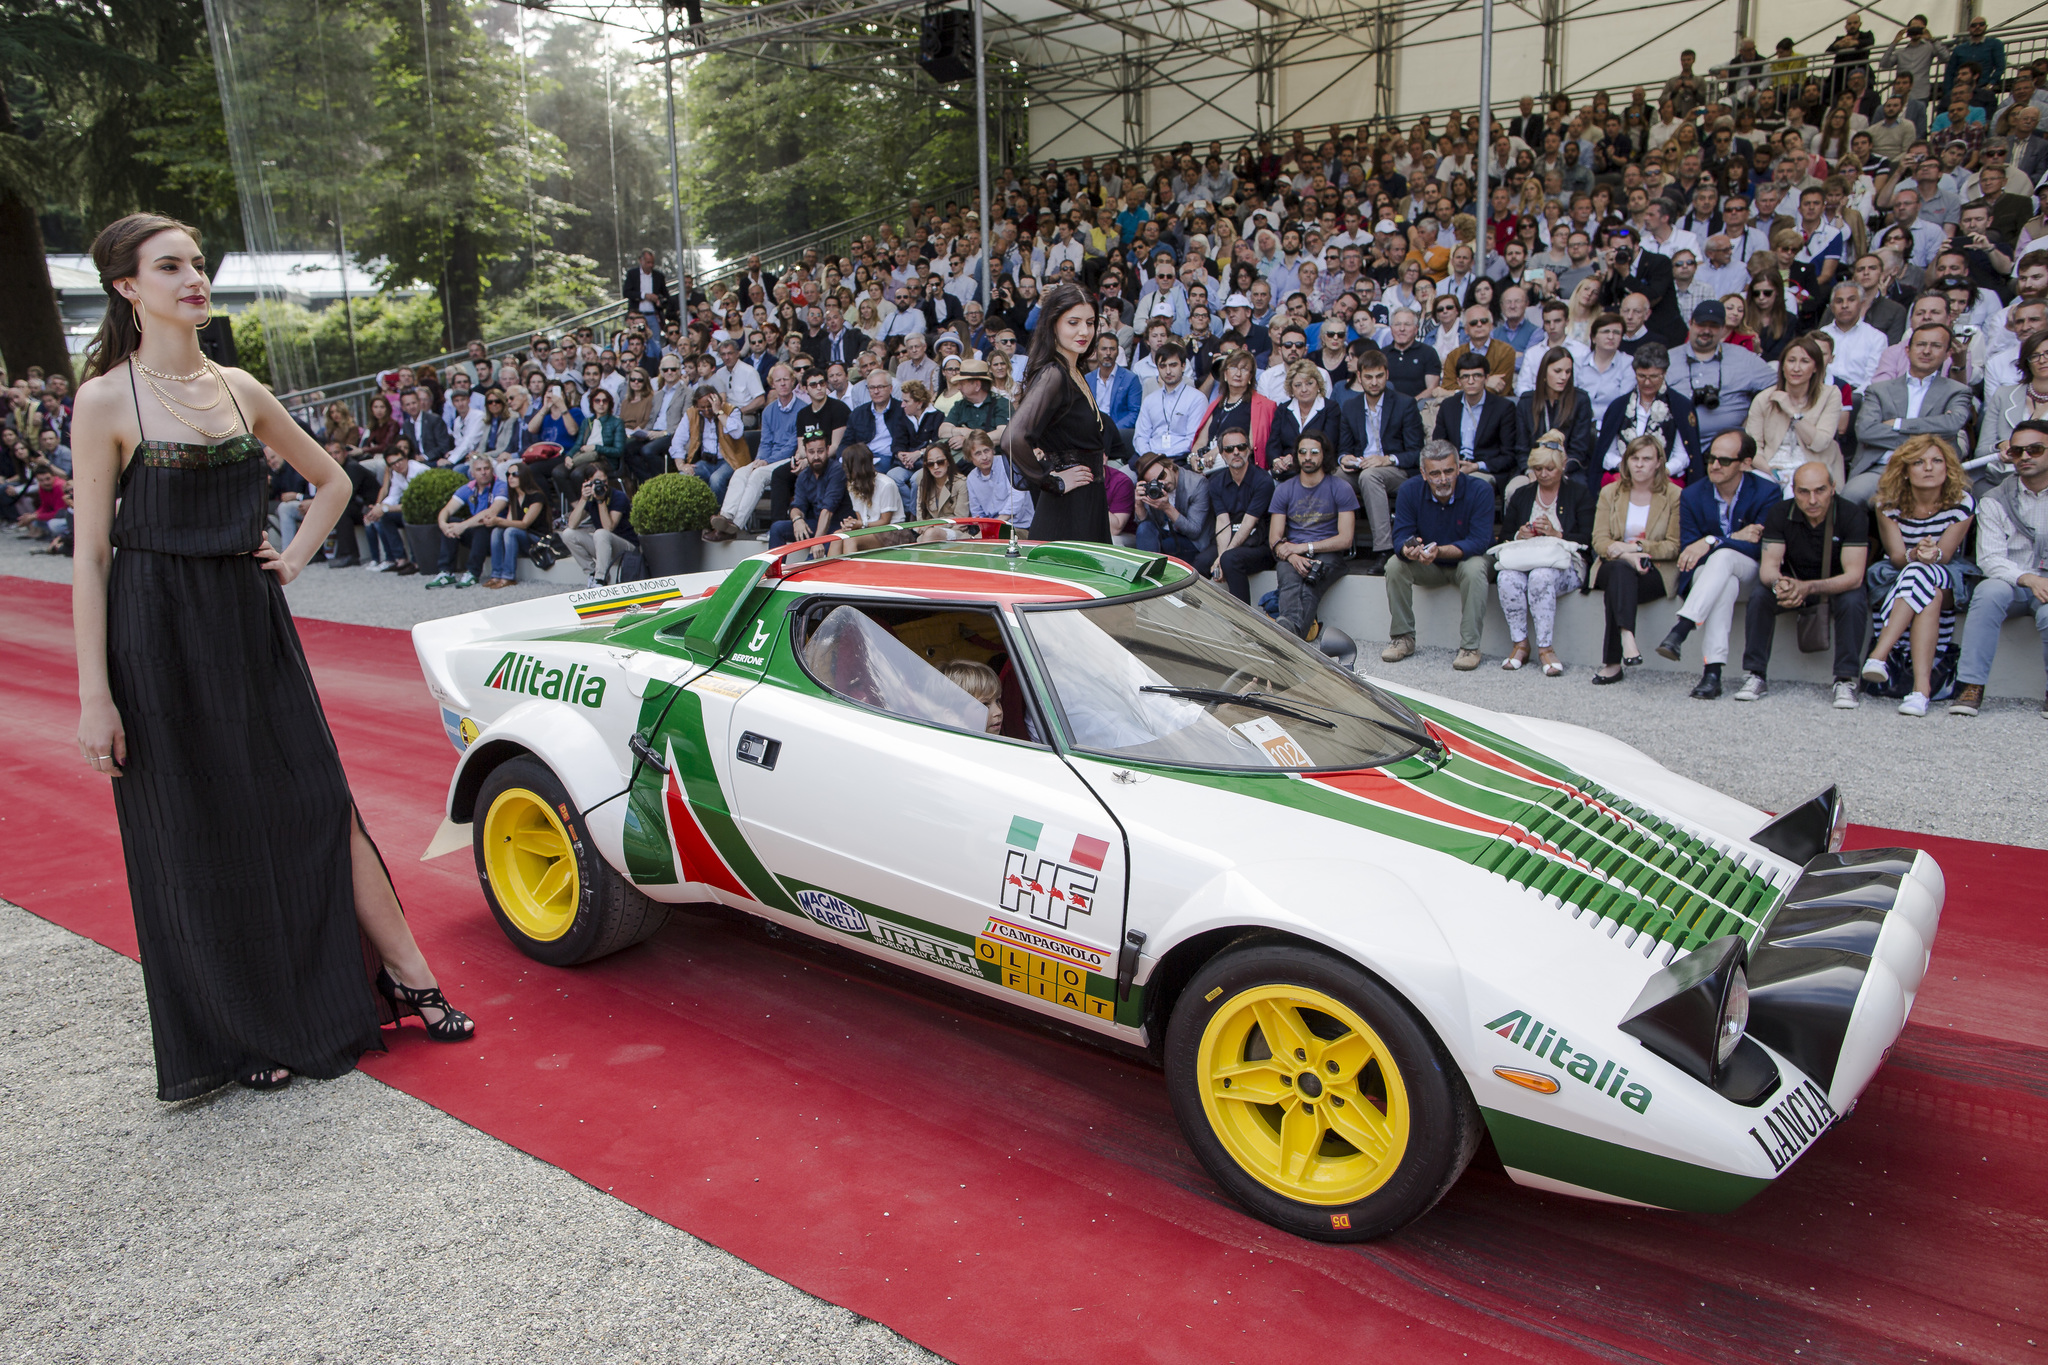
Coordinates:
<point>1773,336</point>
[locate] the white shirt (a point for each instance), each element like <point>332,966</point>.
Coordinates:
<point>646,291</point>
<point>1532,361</point>
<point>1916,393</point>
<point>709,436</point>
<point>1273,382</point>
<point>1719,280</point>
<point>1679,240</point>
<point>739,385</point>
<point>468,432</point>
<point>1618,382</point>
<point>1857,352</point>
<point>615,385</point>
<point>887,498</point>
<point>1167,421</point>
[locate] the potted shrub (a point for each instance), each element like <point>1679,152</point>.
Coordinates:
<point>420,504</point>
<point>668,512</point>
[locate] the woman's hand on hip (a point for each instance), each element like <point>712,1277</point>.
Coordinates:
<point>270,559</point>
<point>1075,476</point>
<point>101,741</point>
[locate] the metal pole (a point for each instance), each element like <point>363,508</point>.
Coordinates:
<point>1485,127</point>
<point>675,193</point>
<point>988,222</point>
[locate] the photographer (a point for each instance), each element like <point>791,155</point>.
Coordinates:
<point>1313,518</point>
<point>1627,269</point>
<point>1173,512</point>
<point>599,527</point>
<point>1989,259</point>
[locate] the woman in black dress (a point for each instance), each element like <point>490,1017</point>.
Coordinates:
<point>261,906</point>
<point>1056,439</point>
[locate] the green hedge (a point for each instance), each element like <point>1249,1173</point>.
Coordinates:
<point>427,494</point>
<point>673,502</point>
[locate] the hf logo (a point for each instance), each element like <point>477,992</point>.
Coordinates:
<point>1049,873</point>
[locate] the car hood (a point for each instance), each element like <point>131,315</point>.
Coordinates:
<point>1659,882</point>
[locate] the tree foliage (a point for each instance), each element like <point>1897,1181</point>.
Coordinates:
<point>776,151</point>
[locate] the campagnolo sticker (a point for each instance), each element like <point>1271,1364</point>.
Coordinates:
<point>832,912</point>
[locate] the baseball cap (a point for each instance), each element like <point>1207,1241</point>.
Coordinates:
<point>1237,301</point>
<point>1710,312</point>
<point>1385,225</point>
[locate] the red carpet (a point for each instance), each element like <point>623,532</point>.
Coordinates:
<point>999,1193</point>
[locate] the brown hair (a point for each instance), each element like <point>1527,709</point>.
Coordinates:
<point>1895,486</point>
<point>117,251</point>
<point>859,463</point>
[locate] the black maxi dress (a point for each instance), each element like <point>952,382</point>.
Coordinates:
<point>235,815</point>
<point>1059,417</point>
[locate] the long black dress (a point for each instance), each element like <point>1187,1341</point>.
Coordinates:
<point>235,815</point>
<point>1059,417</point>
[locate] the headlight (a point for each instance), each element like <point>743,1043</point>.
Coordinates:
<point>1695,1015</point>
<point>1807,830</point>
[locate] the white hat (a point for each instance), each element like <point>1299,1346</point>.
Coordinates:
<point>1163,307</point>
<point>1237,301</point>
<point>1385,225</point>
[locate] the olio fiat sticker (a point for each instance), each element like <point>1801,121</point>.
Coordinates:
<point>1063,983</point>
<point>1049,873</point>
<point>1275,743</point>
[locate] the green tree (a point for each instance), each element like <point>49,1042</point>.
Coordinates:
<point>451,195</point>
<point>776,151</point>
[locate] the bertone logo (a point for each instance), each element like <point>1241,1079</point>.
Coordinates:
<point>516,672</point>
<point>832,912</point>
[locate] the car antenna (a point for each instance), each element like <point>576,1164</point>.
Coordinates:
<point>1015,551</point>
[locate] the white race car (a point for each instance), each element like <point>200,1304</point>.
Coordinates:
<point>1355,923</point>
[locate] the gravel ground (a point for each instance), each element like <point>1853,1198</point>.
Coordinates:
<point>337,1220</point>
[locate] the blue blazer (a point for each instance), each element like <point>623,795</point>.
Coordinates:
<point>1699,515</point>
<point>1126,397</point>
<point>860,426</point>
<point>1400,427</point>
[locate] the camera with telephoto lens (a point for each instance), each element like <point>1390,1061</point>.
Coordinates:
<point>1707,396</point>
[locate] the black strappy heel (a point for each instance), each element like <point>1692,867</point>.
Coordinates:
<point>452,1027</point>
<point>265,1078</point>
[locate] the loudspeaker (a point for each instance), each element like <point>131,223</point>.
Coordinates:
<point>946,45</point>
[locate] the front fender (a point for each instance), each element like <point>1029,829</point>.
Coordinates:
<point>1367,913</point>
<point>572,749</point>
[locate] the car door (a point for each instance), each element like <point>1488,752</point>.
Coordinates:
<point>970,854</point>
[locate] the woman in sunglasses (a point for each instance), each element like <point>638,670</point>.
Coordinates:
<point>941,491</point>
<point>1773,326</point>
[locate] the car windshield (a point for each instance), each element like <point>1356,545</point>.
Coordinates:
<point>1194,677</point>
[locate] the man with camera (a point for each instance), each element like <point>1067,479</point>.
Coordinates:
<point>1443,525</point>
<point>1720,380</point>
<point>1173,512</point>
<point>598,528</point>
<point>1314,517</point>
<point>1630,270</point>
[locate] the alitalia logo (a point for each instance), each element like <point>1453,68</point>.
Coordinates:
<point>516,672</point>
<point>1518,1026</point>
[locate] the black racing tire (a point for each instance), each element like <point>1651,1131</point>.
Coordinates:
<point>560,915</point>
<point>1293,1162</point>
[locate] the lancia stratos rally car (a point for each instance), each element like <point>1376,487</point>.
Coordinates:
<point>1355,923</point>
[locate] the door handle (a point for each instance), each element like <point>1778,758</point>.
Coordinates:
<point>647,753</point>
<point>758,750</point>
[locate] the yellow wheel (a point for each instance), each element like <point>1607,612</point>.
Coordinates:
<point>1313,1094</point>
<point>1303,1094</point>
<point>530,864</point>
<point>548,888</point>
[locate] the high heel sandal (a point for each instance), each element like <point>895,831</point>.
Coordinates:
<point>265,1078</point>
<point>452,1027</point>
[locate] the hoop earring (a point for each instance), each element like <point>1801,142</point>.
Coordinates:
<point>136,309</point>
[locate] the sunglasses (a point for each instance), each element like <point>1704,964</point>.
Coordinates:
<point>2028,449</point>
<point>1721,460</point>
<point>1235,450</point>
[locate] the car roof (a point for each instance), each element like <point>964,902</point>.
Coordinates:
<point>1062,571</point>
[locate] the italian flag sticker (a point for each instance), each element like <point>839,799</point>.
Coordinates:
<point>1049,873</point>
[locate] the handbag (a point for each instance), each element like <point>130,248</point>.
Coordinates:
<point>1537,552</point>
<point>541,450</point>
<point>1814,624</point>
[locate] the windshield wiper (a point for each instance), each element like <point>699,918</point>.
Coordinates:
<point>1257,701</point>
<point>1420,738</point>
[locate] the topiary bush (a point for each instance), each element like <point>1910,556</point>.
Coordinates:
<point>673,502</point>
<point>426,495</point>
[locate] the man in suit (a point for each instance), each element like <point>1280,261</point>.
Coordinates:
<point>1636,415</point>
<point>646,292</point>
<point>1527,125</point>
<point>941,310</point>
<point>1118,394</point>
<point>1721,526</point>
<point>1379,442</point>
<point>1631,270</point>
<point>1921,401</point>
<point>1479,424</point>
<point>424,425</point>
<point>884,428</point>
<point>835,341</point>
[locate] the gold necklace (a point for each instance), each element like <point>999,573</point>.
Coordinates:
<point>206,367</point>
<point>164,399</point>
<point>199,373</point>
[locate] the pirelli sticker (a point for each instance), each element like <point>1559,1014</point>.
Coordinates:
<point>1063,983</point>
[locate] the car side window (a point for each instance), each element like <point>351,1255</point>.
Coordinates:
<point>944,667</point>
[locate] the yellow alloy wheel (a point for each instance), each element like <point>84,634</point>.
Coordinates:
<point>531,863</point>
<point>1303,1094</point>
